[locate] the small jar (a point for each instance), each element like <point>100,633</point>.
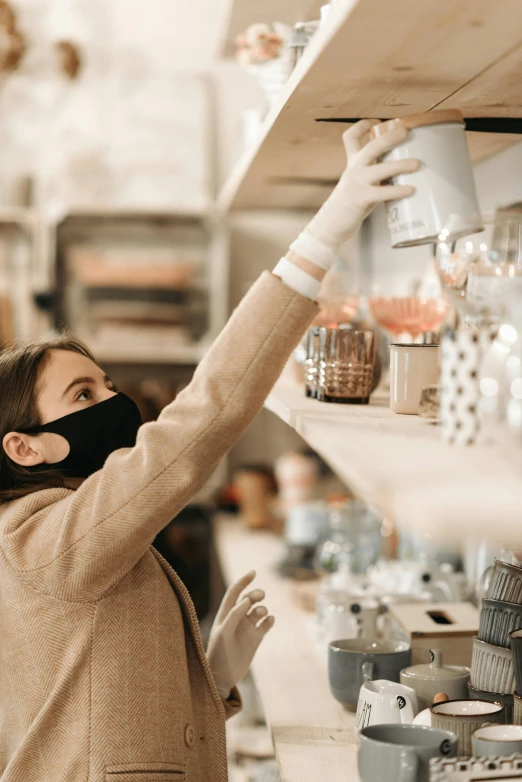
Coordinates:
<point>301,36</point>
<point>327,11</point>
<point>444,183</point>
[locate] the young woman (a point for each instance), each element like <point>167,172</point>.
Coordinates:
<point>103,675</point>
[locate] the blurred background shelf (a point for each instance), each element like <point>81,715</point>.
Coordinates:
<point>237,15</point>
<point>417,57</point>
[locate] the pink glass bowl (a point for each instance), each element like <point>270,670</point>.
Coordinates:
<point>408,314</point>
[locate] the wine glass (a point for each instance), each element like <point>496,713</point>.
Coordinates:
<point>481,271</point>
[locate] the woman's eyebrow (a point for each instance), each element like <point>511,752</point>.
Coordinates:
<point>77,382</point>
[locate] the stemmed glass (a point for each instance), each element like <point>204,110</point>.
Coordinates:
<point>481,272</point>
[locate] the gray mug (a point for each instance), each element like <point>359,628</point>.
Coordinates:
<point>402,753</point>
<point>357,660</point>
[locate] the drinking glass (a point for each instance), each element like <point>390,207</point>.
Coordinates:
<point>347,357</point>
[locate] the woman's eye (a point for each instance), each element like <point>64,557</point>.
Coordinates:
<point>84,395</point>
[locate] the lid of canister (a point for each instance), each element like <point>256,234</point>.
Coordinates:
<point>418,120</point>
<point>435,669</point>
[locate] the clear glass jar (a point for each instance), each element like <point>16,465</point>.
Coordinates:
<point>353,537</point>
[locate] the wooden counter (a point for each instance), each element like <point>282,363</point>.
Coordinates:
<point>314,738</point>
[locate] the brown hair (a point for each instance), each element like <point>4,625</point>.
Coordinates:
<point>20,372</point>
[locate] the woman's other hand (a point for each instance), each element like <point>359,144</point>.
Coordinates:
<point>240,626</point>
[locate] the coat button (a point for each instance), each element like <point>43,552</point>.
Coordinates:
<point>189,736</point>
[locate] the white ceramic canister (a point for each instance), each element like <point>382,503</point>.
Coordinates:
<point>444,183</point>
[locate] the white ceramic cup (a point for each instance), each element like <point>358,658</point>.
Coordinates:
<point>411,368</point>
<point>351,617</point>
<point>382,702</point>
<point>444,184</point>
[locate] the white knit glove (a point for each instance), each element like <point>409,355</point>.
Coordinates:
<point>357,193</point>
<point>236,634</point>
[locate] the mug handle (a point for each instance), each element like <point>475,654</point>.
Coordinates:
<point>405,706</point>
<point>409,765</point>
<point>368,670</point>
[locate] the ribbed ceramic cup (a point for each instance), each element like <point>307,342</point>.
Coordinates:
<point>505,700</point>
<point>517,709</point>
<point>492,667</point>
<point>506,583</point>
<point>497,741</point>
<point>402,753</point>
<point>515,639</point>
<point>497,620</point>
<point>464,717</point>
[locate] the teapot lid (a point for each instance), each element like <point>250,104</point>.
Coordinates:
<point>435,669</point>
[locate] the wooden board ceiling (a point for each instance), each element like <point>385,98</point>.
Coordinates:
<point>383,58</point>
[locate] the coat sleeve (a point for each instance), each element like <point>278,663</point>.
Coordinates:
<point>78,545</point>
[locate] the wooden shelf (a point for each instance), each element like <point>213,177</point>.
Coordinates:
<point>237,15</point>
<point>314,737</point>
<point>188,355</point>
<point>382,58</point>
<point>400,465</point>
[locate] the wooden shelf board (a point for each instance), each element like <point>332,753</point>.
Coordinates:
<point>237,15</point>
<point>418,56</point>
<point>400,465</point>
<point>314,737</point>
<point>115,354</point>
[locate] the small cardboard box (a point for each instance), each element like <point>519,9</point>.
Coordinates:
<point>446,626</point>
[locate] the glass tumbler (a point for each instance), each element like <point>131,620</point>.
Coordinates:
<point>311,363</point>
<point>346,364</point>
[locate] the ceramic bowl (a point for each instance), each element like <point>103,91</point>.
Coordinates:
<point>506,583</point>
<point>499,697</point>
<point>495,741</point>
<point>492,668</point>
<point>497,620</point>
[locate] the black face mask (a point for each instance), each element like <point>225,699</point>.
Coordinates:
<point>93,434</point>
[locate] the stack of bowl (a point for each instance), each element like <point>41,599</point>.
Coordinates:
<point>492,668</point>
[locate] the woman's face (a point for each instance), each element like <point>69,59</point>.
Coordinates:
<point>68,382</point>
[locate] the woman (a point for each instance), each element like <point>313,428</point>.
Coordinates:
<point>103,674</point>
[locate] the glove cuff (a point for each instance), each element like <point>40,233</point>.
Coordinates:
<point>307,246</point>
<point>297,279</point>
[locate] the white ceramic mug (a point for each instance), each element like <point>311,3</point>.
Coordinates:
<point>411,368</point>
<point>444,184</point>
<point>384,703</point>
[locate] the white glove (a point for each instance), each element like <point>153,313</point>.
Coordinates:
<point>357,193</point>
<point>236,633</point>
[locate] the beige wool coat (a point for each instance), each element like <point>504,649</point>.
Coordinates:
<point>103,675</point>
